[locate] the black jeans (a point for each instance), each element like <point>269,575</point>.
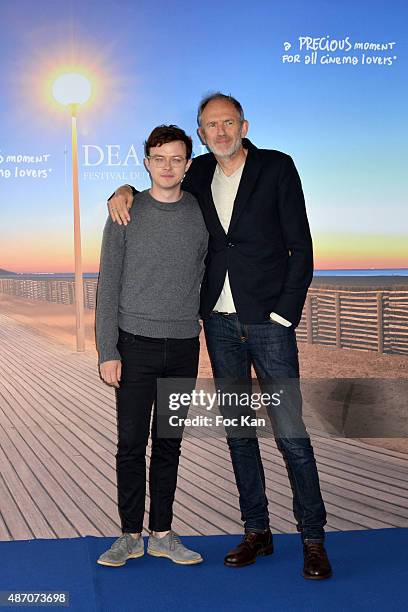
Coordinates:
<point>271,348</point>
<point>144,360</point>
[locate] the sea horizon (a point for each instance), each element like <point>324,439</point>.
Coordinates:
<point>347,272</point>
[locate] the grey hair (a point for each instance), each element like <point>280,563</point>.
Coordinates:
<point>218,95</point>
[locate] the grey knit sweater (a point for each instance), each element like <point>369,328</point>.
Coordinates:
<point>150,273</point>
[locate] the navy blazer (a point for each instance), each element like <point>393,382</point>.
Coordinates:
<point>268,247</point>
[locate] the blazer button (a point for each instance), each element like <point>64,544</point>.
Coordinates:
<point>231,244</point>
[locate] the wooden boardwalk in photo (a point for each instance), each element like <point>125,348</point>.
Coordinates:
<point>57,465</point>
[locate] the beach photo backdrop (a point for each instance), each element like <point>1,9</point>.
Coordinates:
<point>323,82</point>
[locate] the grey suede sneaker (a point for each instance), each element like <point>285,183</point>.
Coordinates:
<point>171,547</point>
<point>124,548</point>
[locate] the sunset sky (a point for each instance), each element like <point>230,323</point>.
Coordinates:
<point>151,62</point>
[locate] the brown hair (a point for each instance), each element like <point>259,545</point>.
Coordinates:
<point>162,134</point>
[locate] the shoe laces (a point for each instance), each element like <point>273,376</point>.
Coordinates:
<point>250,535</point>
<point>118,543</point>
<point>314,549</point>
<point>174,540</point>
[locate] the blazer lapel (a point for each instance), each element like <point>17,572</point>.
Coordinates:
<point>210,212</point>
<point>249,177</point>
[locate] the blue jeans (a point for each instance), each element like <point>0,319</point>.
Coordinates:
<point>272,350</point>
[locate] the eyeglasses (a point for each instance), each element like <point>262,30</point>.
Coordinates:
<point>160,161</point>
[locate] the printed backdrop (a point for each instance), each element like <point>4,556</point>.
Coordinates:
<point>322,81</point>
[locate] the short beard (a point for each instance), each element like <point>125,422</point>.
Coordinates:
<point>234,148</point>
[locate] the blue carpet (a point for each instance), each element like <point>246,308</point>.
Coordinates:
<point>49,565</point>
<point>370,573</point>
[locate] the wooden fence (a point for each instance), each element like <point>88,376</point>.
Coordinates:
<point>58,291</point>
<point>356,318</point>
<point>345,317</point>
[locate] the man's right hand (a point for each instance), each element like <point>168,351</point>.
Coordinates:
<point>119,205</point>
<point>111,372</point>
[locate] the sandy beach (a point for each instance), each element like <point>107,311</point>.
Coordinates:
<point>57,321</point>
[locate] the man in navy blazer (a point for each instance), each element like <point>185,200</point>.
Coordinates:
<point>258,269</point>
<point>267,248</point>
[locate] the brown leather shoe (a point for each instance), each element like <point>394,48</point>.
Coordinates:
<point>317,565</point>
<point>252,546</point>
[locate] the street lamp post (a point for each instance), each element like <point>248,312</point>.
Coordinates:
<point>79,284</point>
<point>71,90</point>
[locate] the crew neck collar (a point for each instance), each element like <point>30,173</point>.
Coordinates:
<point>165,205</point>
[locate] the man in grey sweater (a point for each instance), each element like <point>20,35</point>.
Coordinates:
<point>147,328</point>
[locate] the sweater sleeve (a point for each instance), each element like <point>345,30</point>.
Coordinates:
<point>108,293</point>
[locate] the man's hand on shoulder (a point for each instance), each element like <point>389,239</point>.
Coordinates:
<point>110,372</point>
<point>120,203</point>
